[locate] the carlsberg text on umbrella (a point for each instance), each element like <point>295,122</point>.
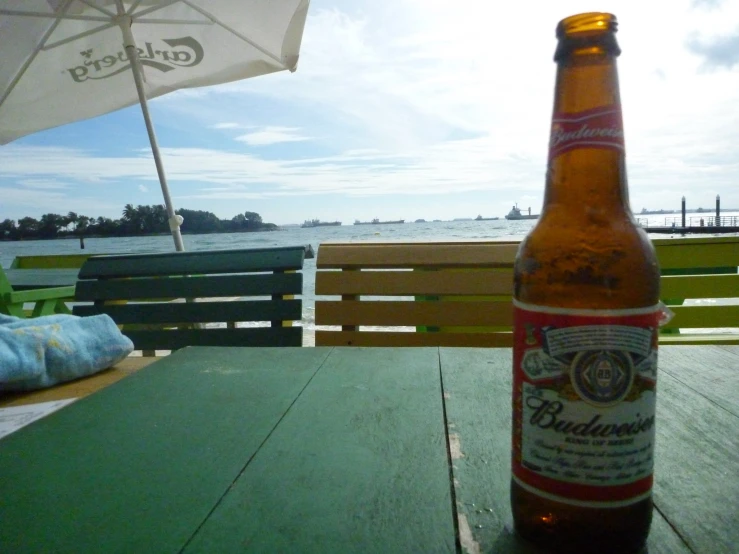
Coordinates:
<point>163,60</point>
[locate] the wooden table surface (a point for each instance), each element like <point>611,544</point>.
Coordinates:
<point>337,450</point>
<point>25,279</point>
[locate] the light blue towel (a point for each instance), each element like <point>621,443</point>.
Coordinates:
<point>43,351</point>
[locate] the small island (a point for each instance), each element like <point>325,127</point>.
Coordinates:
<point>135,221</point>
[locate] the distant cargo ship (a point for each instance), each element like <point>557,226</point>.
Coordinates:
<point>480,218</point>
<point>515,213</point>
<point>377,222</point>
<point>319,223</point>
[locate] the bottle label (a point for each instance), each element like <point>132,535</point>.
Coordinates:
<point>597,128</point>
<point>584,385</point>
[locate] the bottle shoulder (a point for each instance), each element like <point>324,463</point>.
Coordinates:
<point>619,237</point>
<point>575,264</point>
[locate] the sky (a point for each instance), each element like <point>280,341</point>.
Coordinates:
<point>406,109</point>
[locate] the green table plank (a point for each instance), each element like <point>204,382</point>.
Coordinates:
<point>697,459</point>
<point>359,464</point>
<point>138,466</point>
<point>477,392</point>
<point>711,372</point>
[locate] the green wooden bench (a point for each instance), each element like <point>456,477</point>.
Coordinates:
<point>368,294</point>
<point>166,301</point>
<point>44,301</point>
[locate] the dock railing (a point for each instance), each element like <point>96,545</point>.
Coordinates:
<point>702,221</point>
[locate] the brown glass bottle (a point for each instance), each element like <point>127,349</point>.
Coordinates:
<point>585,256</point>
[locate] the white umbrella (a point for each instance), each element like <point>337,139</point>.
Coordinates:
<point>68,60</point>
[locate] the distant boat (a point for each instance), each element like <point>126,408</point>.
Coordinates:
<point>420,221</point>
<point>319,223</point>
<point>377,222</point>
<point>480,218</point>
<point>515,213</point>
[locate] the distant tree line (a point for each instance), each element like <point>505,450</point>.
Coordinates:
<point>135,221</point>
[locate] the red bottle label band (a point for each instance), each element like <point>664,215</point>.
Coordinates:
<point>584,385</point>
<point>597,128</point>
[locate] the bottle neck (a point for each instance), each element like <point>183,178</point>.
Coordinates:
<point>587,172</point>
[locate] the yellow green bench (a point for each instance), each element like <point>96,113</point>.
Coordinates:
<point>702,270</point>
<point>368,293</point>
<point>48,284</point>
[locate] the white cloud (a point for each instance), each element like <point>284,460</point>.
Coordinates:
<point>717,52</point>
<point>707,4</point>
<point>36,202</point>
<point>272,135</point>
<point>143,188</point>
<point>43,184</point>
<point>452,167</point>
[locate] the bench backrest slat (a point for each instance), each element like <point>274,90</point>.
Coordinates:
<point>394,338</point>
<point>699,286</point>
<point>241,336</point>
<point>184,263</point>
<point>50,261</point>
<point>698,317</point>
<point>197,312</point>
<point>199,286</point>
<point>697,253</point>
<point>473,313</point>
<point>413,254</point>
<point>410,283</point>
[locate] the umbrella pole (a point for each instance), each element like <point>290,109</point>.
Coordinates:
<point>130,45</point>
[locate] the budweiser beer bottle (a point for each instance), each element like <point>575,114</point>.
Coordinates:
<point>586,315</point>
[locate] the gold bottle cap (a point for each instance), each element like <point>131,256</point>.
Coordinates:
<point>587,33</point>
<point>586,23</point>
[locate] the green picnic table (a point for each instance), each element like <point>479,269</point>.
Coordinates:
<point>36,292</point>
<point>291,449</point>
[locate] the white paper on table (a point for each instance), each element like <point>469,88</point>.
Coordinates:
<point>15,417</point>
